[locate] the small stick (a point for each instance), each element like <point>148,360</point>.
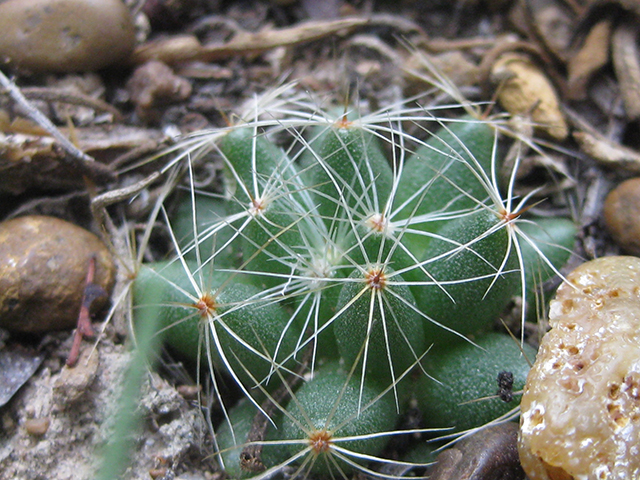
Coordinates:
<point>62,96</point>
<point>75,157</point>
<point>91,292</point>
<point>101,202</point>
<point>250,457</point>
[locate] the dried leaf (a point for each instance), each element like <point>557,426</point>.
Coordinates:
<point>591,57</point>
<point>526,91</point>
<point>626,62</point>
<point>607,152</point>
<point>553,23</point>
<point>154,86</point>
<point>453,64</point>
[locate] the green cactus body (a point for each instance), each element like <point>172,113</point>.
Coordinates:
<point>376,242</point>
<point>270,244</point>
<point>252,162</point>
<point>232,436</point>
<point>442,176</point>
<point>213,233</point>
<point>332,406</point>
<point>554,237</point>
<point>350,172</point>
<point>464,374</point>
<point>312,316</point>
<point>249,331</point>
<point>469,282</point>
<point>317,254</point>
<point>379,312</point>
<point>267,193</point>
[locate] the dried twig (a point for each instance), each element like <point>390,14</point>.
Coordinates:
<point>74,157</point>
<point>99,203</point>
<point>186,48</point>
<point>59,95</point>
<point>91,293</point>
<point>605,151</point>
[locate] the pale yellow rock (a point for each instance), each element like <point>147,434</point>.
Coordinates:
<point>580,411</point>
<point>524,90</point>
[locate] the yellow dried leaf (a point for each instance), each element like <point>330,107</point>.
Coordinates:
<point>592,56</point>
<point>627,66</point>
<point>525,90</point>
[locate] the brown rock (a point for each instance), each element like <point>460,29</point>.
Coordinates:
<point>490,453</point>
<point>622,215</point>
<point>65,35</point>
<point>43,267</point>
<point>73,383</point>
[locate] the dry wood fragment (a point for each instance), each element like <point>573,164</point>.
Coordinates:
<point>74,157</point>
<point>187,48</point>
<point>526,91</point>
<point>591,57</point>
<point>608,152</point>
<point>626,61</point>
<point>49,94</point>
<point>605,151</point>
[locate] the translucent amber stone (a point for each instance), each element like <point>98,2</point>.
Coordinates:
<point>581,403</point>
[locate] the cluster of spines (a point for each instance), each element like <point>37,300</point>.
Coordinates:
<point>338,239</point>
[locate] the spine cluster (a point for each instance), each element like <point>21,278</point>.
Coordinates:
<point>371,261</point>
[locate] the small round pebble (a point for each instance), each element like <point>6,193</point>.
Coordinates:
<point>37,426</point>
<point>622,215</point>
<point>65,35</point>
<point>43,271</point>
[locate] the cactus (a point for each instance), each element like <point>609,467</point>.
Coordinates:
<point>330,246</point>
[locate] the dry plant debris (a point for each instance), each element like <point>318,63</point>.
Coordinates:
<point>188,48</point>
<point>155,83</point>
<point>524,90</point>
<point>592,55</point>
